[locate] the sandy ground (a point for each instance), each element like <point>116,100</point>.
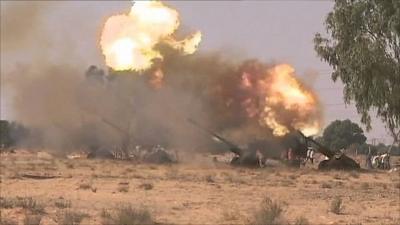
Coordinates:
<point>196,193</point>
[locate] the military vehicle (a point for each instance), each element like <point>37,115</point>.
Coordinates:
<point>258,150</point>
<point>336,159</point>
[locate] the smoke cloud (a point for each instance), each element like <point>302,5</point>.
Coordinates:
<point>21,24</point>
<point>68,108</point>
<point>73,109</point>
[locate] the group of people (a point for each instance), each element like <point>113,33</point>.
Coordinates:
<point>379,161</point>
<point>290,156</point>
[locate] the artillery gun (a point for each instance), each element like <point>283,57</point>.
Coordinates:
<point>248,158</point>
<point>336,160</point>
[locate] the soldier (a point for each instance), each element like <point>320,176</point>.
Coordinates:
<point>260,158</point>
<point>310,155</point>
<point>290,154</point>
<point>368,159</point>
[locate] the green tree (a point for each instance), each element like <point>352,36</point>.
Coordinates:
<point>364,51</point>
<point>11,133</point>
<point>5,139</point>
<point>341,134</point>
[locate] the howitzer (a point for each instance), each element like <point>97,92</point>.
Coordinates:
<point>322,149</point>
<point>242,157</point>
<point>336,160</point>
<point>232,147</point>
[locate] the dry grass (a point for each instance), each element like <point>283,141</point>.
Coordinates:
<point>172,173</point>
<point>85,186</point>
<point>32,205</point>
<point>336,205</point>
<point>7,203</point>
<point>32,219</point>
<point>27,203</point>
<point>337,176</point>
<point>62,204</point>
<point>326,185</point>
<point>198,194</point>
<point>314,182</point>
<point>209,179</point>
<point>146,186</point>
<point>129,170</point>
<point>69,165</point>
<point>270,212</point>
<point>127,215</point>
<point>301,221</point>
<point>287,183</point>
<point>71,217</point>
<point>123,188</point>
<point>7,221</point>
<point>231,215</point>
<point>365,186</point>
<point>234,179</point>
<point>354,174</point>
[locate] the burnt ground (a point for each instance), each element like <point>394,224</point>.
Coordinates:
<point>201,192</point>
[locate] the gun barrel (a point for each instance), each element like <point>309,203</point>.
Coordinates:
<point>232,147</point>
<point>322,149</point>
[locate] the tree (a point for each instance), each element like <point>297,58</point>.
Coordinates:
<point>364,52</point>
<point>341,134</point>
<point>5,139</point>
<point>11,133</point>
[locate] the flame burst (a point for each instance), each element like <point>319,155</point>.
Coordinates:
<point>128,41</point>
<point>279,101</point>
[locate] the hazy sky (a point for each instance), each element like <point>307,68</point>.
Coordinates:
<point>279,31</point>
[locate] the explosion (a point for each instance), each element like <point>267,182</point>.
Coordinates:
<point>129,41</point>
<point>286,91</point>
<point>269,95</point>
<point>278,100</point>
<point>245,101</point>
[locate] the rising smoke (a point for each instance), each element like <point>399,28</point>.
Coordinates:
<point>21,24</point>
<point>73,109</point>
<point>244,101</point>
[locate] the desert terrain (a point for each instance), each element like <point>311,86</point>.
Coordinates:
<point>41,187</point>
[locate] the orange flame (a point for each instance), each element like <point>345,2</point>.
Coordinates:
<point>128,40</point>
<point>285,103</point>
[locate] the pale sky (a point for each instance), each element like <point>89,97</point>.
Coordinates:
<point>278,31</point>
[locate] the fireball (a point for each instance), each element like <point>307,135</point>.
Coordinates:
<point>285,90</point>
<point>128,41</point>
<point>285,104</point>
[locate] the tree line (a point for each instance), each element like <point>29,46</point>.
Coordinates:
<point>339,134</point>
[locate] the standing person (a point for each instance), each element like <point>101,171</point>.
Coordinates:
<point>368,159</point>
<point>260,158</point>
<point>310,154</point>
<point>284,155</point>
<point>290,156</point>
